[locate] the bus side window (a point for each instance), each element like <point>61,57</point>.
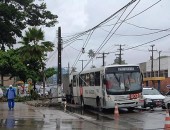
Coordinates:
<point>97,78</point>
<point>91,79</point>
<point>80,81</point>
<point>74,80</point>
<point>87,79</point>
<point>83,80</point>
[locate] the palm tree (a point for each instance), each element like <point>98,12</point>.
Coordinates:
<point>34,49</point>
<point>34,44</point>
<point>91,55</point>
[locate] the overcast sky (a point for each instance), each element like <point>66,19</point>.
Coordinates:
<point>75,16</point>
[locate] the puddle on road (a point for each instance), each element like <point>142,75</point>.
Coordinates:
<point>21,123</point>
<point>32,124</point>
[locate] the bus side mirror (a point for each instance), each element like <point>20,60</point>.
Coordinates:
<point>104,81</point>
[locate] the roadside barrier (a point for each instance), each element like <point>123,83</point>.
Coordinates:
<point>116,112</point>
<point>167,121</point>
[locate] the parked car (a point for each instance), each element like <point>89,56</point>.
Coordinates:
<point>152,98</point>
<point>167,100</point>
<point>40,93</point>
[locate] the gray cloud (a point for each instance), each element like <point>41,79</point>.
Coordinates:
<point>76,16</point>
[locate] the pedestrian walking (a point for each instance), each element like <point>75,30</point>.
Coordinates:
<point>11,96</point>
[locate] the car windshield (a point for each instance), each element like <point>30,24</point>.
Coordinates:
<point>150,92</point>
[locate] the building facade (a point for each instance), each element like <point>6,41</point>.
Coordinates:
<point>161,68</point>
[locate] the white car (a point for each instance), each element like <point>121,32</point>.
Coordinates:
<point>167,100</point>
<point>152,98</point>
<point>1,93</point>
<point>41,92</point>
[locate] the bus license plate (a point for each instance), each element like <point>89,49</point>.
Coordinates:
<point>134,96</point>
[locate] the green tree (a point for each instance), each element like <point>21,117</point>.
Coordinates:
<point>50,72</point>
<point>11,65</point>
<point>116,61</point>
<point>34,52</point>
<point>16,15</point>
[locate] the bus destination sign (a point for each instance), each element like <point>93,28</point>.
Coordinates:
<point>126,69</point>
<point>122,69</point>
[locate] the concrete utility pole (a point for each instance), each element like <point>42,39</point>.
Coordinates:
<point>103,57</point>
<point>120,53</point>
<point>152,74</point>
<point>82,63</point>
<point>159,62</point>
<point>59,78</point>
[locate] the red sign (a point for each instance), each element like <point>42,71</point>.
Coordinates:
<point>134,96</point>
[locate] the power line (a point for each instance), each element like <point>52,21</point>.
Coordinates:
<point>145,34</point>
<point>101,23</point>
<point>148,42</point>
<point>139,14</point>
<point>107,39</point>
<point>108,19</point>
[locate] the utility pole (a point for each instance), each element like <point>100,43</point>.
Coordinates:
<point>59,78</point>
<point>159,62</point>
<point>120,53</point>
<point>82,63</point>
<point>103,57</point>
<point>152,50</point>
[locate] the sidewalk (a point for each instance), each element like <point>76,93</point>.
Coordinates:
<point>33,118</point>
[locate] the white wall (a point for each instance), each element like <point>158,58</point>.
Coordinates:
<point>164,65</point>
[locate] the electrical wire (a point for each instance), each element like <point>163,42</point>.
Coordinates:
<point>139,14</point>
<point>109,36</point>
<point>148,42</point>
<point>144,34</point>
<point>107,39</point>
<point>98,25</point>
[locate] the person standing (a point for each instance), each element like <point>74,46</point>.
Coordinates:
<point>11,96</point>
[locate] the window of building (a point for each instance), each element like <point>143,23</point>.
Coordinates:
<point>156,74</point>
<point>166,73</point>
<point>161,73</point>
<point>148,74</point>
<point>144,75</point>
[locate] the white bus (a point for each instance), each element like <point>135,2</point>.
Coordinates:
<point>109,85</point>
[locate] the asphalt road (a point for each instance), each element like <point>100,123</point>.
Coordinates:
<point>26,117</point>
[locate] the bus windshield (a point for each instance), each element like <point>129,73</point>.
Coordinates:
<point>123,82</point>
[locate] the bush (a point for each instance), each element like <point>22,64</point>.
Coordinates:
<point>35,95</point>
